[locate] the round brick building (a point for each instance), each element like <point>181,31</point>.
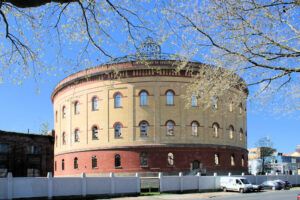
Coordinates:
<point>129,116</point>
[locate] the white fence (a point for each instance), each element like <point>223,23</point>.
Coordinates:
<point>27,187</point>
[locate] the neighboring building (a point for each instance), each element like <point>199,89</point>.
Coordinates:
<point>25,154</point>
<point>129,116</point>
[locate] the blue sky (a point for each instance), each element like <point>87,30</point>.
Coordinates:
<point>22,108</point>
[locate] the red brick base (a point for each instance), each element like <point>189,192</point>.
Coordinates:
<point>157,160</point>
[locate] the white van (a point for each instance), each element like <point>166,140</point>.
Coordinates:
<point>232,183</point>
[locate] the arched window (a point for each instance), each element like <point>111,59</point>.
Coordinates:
<point>55,166</point>
<point>63,112</point>
<point>76,135</point>
<point>241,135</point>
<point>231,132</point>
<point>75,163</point>
<point>143,129</point>
<point>95,133</point>
<point>214,102</point>
<point>143,159</point>
<point>195,128</point>
<point>215,130</point>
<point>243,161</point>
<point>94,162</point>
<point>118,130</point>
<point>64,138</point>
<point>55,116</point>
<point>217,159</point>
<point>62,164</point>
<point>170,159</point>
<point>143,98</point>
<point>241,108</point>
<point>170,128</point>
<point>95,103</point>
<point>196,164</point>
<point>76,107</point>
<point>230,105</point>
<point>232,160</point>
<point>117,100</point>
<point>117,161</point>
<point>56,140</point>
<point>193,100</point>
<point>170,98</point>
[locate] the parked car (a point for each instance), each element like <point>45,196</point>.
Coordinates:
<point>258,187</point>
<point>240,184</point>
<point>274,185</point>
<point>285,184</point>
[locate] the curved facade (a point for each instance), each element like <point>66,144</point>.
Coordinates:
<point>131,117</point>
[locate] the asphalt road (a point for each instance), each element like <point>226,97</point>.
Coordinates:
<point>266,195</point>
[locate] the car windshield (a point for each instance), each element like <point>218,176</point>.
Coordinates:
<point>245,181</point>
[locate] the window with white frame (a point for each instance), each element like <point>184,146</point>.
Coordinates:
<point>118,101</point>
<point>217,159</point>
<point>143,129</point>
<point>243,161</point>
<point>195,129</point>
<point>95,103</point>
<point>170,128</point>
<point>170,159</point>
<point>230,105</point>
<point>143,98</point>
<point>76,135</point>
<point>215,130</point>
<point>170,98</point>
<point>95,133</point>
<point>117,130</point>
<point>232,160</point>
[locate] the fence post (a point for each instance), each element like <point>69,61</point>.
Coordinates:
<point>9,186</point>
<point>180,181</point>
<point>112,183</point>
<point>138,183</point>
<point>160,176</point>
<point>83,184</point>
<point>50,185</point>
<point>198,175</point>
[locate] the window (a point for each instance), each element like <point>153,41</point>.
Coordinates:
<point>117,161</point>
<point>143,97</point>
<point>56,116</point>
<point>94,162</point>
<point>195,128</point>
<point>76,135</point>
<point>143,159</point>
<point>62,164</point>
<point>3,148</point>
<point>241,108</point>
<point>64,112</point>
<point>217,159</point>
<point>95,133</point>
<point>232,160</point>
<point>170,98</point>
<point>143,129</point>
<point>241,135</point>
<point>215,102</point>
<point>64,138</point>
<point>76,107</point>
<point>243,161</point>
<point>230,105</point>
<point>231,130</point>
<point>56,140</point>
<point>117,130</point>
<point>170,159</point>
<point>34,149</point>
<point>75,163</point>
<point>55,166</point>
<point>216,130</point>
<point>95,103</point>
<point>118,101</point>
<point>170,128</point>
<point>193,100</point>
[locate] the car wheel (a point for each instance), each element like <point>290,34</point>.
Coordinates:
<point>224,189</point>
<point>241,190</point>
